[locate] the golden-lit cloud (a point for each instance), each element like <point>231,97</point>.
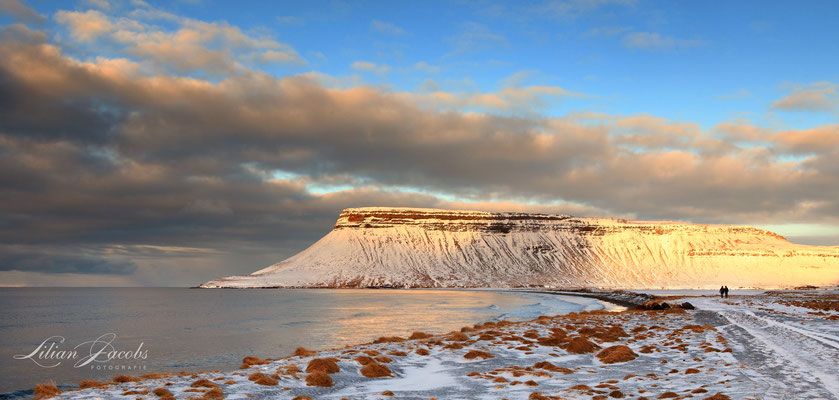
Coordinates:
<point>819,96</point>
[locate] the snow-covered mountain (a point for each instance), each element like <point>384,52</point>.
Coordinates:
<point>414,247</point>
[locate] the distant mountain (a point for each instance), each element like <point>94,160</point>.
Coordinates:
<point>414,247</point>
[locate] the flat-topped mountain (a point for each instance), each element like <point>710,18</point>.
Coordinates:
<point>416,247</point>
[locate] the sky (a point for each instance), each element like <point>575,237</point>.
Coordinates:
<point>169,143</point>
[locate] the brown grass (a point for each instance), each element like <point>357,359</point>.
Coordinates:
<point>616,354</point>
<point>419,335</point>
<point>389,339</point>
<point>261,379</point>
<point>375,370</point>
<point>247,362</point>
<point>319,378</point>
<point>550,367</point>
<point>472,354</point>
<point>580,345</point>
<point>325,365</point>
<point>538,396</point>
<point>384,359</point>
<point>302,352</point>
<point>616,394</point>
<point>457,337</point>
<point>691,371</point>
<point>668,395</point>
<point>397,353</point>
<point>387,393</point>
<point>364,360</point>
<point>46,390</point>
<point>204,383</point>
<point>553,341</point>
<point>162,392</point>
<point>125,378</point>
<point>213,394</point>
<point>422,352</point>
<point>718,396</point>
<point>302,397</point>
<point>92,384</point>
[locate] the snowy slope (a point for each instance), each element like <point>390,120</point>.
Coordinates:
<point>410,247</point>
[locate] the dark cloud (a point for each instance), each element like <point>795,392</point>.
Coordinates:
<point>44,260</point>
<point>20,11</point>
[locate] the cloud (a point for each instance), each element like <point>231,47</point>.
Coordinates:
<point>819,96</point>
<point>290,20</point>
<point>387,28</point>
<point>426,67</point>
<point>20,12</point>
<point>656,41</point>
<point>570,9</point>
<point>153,159</point>
<point>366,66</point>
<point>213,49</point>
<point>475,37</point>
<point>739,94</point>
<point>85,26</point>
<point>23,258</point>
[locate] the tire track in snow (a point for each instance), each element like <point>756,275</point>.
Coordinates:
<point>810,353</point>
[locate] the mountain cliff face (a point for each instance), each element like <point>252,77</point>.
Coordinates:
<point>411,247</point>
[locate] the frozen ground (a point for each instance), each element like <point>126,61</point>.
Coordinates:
<point>765,346</point>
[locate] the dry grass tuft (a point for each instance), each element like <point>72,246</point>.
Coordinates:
<point>261,379</point>
<point>422,352</point>
<point>389,339</point>
<point>580,345</point>
<point>668,395</point>
<point>397,353</point>
<point>92,384</point>
<point>204,383</point>
<point>718,396</point>
<point>375,370</point>
<point>46,390</point>
<point>302,352</point>
<point>364,360</point>
<point>384,359</point>
<point>538,396</point>
<point>325,365</point>
<point>319,378</point>
<point>247,362</point>
<point>302,397</point>
<point>387,393</point>
<point>550,367</point>
<point>162,392</point>
<point>213,394</point>
<point>616,354</point>
<point>616,394</point>
<point>419,335</point>
<point>472,354</point>
<point>457,337</point>
<point>125,378</point>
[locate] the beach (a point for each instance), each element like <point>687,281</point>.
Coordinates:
<point>772,345</point>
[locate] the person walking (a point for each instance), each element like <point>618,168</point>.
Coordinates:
<point>725,290</point>
<point>722,291</point>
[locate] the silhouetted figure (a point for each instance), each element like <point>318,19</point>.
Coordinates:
<point>725,289</point>
<point>722,291</point>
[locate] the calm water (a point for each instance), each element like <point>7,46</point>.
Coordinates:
<point>191,330</point>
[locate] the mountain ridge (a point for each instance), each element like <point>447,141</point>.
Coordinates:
<point>418,247</point>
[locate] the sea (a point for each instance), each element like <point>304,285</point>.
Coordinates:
<point>67,335</point>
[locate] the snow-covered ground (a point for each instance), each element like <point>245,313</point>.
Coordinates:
<point>764,346</point>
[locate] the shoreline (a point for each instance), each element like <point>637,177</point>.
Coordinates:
<point>440,347</point>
